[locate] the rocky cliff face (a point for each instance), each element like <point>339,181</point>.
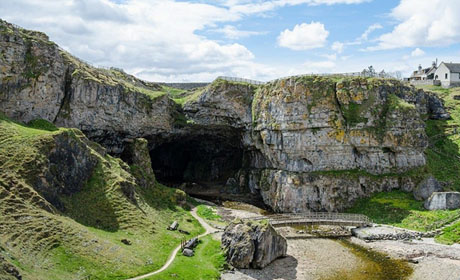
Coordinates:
<point>301,143</point>
<point>41,81</point>
<point>252,244</point>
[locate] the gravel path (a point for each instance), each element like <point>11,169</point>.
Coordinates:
<point>208,230</point>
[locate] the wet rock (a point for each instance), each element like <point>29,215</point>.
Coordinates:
<point>443,201</point>
<point>426,188</point>
<point>252,244</point>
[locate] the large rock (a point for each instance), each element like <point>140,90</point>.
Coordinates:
<point>426,188</point>
<point>252,244</point>
<point>443,201</point>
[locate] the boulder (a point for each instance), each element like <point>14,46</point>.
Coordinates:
<point>426,188</point>
<point>443,201</point>
<point>250,244</point>
<point>188,253</point>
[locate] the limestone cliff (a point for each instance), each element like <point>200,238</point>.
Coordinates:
<point>300,143</point>
<point>39,80</point>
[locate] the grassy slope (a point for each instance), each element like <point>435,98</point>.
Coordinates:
<point>443,162</point>
<point>401,209</point>
<point>86,238</point>
<point>204,265</point>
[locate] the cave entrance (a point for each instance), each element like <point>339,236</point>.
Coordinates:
<point>199,164</point>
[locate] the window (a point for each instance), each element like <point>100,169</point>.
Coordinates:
<point>446,76</point>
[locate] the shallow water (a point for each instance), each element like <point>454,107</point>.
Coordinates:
<point>375,266</point>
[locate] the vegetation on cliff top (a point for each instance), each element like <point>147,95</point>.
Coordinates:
<point>85,237</point>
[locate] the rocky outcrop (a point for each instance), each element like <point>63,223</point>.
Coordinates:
<point>388,233</point>
<point>301,192</point>
<point>41,81</point>
<point>443,201</point>
<point>252,244</point>
<point>136,154</point>
<point>426,188</point>
<point>66,165</point>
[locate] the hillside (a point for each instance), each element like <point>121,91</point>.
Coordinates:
<point>66,205</point>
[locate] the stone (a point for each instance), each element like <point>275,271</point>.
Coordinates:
<point>456,97</point>
<point>252,244</point>
<point>188,252</point>
<point>443,201</point>
<point>173,226</point>
<point>126,241</point>
<point>426,188</point>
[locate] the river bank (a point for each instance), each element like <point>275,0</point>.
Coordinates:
<point>352,258</point>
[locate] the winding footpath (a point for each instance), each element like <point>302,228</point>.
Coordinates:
<point>208,230</point>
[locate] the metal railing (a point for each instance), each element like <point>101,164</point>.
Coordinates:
<point>316,218</point>
<point>236,79</point>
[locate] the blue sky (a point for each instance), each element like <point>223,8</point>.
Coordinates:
<point>172,40</point>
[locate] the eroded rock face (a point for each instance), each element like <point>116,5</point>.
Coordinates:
<point>67,165</point>
<point>41,81</point>
<point>252,244</point>
<point>443,201</point>
<point>426,188</point>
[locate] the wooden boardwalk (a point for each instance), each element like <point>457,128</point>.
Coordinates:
<point>316,218</point>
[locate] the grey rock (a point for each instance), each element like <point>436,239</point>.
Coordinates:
<point>188,252</point>
<point>426,188</point>
<point>443,201</point>
<point>252,244</point>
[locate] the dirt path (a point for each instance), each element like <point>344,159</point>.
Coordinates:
<point>208,230</point>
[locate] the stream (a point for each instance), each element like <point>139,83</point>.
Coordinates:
<point>318,258</point>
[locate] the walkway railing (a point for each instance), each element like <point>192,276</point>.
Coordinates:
<point>316,218</point>
<point>235,79</point>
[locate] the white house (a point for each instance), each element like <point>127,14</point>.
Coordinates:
<point>424,76</point>
<point>448,74</point>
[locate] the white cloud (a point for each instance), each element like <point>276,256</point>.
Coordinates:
<point>369,30</point>
<point>423,23</point>
<point>417,52</point>
<point>338,47</point>
<point>304,36</point>
<point>156,39</point>
<point>231,32</point>
<point>258,6</point>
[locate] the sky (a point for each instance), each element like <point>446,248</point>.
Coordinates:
<point>196,41</point>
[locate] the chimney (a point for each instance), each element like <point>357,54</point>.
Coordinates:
<point>420,68</point>
<point>435,64</point>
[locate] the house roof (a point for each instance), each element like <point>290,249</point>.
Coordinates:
<point>453,67</point>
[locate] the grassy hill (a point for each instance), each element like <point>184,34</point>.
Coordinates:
<point>79,233</point>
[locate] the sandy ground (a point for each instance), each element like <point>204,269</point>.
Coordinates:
<point>307,259</point>
<point>315,258</point>
<point>435,261</point>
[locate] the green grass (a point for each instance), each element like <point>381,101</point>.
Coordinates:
<point>206,264</point>
<point>443,156</point>
<point>192,96</point>
<point>450,235</point>
<point>84,237</point>
<point>208,213</point>
<point>400,209</point>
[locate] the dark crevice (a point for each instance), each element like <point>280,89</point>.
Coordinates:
<point>64,108</point>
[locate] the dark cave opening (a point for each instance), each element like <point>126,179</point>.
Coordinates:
<point>204,160</point>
